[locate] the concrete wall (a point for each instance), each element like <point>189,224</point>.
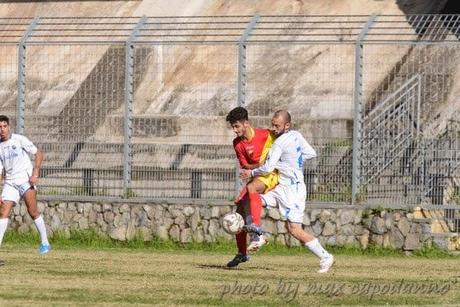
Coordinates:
<point>185,223</point>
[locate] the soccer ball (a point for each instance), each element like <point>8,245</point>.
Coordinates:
<point>233,223</point>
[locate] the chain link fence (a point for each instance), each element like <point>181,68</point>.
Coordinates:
<point>135,107</point>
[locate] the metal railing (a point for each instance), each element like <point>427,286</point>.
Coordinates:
<point>135,107</point>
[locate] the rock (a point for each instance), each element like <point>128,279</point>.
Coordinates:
<point>186,235</point>
<point>83,223</point>
<point>412,241</point>
<point>22,209</point>
<point>331,241</point>
<point>214,226</point>
<point>205,213</point>
<point>388,221</point>
<point>317,228</point>
<point>378,225</point>
<point>80,208</point>
<point>188,211</point>
<point>146,233</point>
<point>306,220</point>
<point>377,239</point>
<point>324,216</point>
<point>55,223</point>
<point>149,211</point>
<point>107,207</point>
<point>357,217</point>
<point>396,216</point>
<point>426,228</point>
<point>167,222</point>
<point>174,233</point>
<point>274,213</point>
<point>140,219</point>
<point>269,226</point>
<point>364,239</point>
<point>180,220</point>
<point>281,227</point>
<point>314,214</point>
<point>340,240</point>
<point>97,208</point>
<point>225,209</point>
<point>346,217</point>
<point>87,208</point>
<point>280,240</point>
<point>329,229</point>
<point>41,206</point>
<point>194,220</point>
<point>162,233</point>
<point>198,235</point>
<point>396,238</point>
<point>415,228</point>
<point>124,208</point>
<point>410,216</point>
<point>404,226</point>
<point>109,217</point>
<point>215,212</point>
<point>23,228</point>
<point>291,241</point>
<point>386,240</point>
<point>347,230</point>
<point>119,233</point>
<point>92,217</point>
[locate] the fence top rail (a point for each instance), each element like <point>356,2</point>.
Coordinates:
<point>209,29</point>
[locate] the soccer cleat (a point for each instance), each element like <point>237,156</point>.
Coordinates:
<point>239,258</point>
<point>257,243</point>
<point>44,248</point>
<point>253,228</point>
<point>325,264</point>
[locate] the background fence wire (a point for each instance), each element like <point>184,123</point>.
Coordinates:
<point>169,139</point>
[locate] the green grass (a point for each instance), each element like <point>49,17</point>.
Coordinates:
<point>91,239</point>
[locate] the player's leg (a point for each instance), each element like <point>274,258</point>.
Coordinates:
<point>241,237</point>
<point>4,217</point>
<point>30,198</point>
<point>255,188</point>
<point>294,201</point>
<point>10,196</point>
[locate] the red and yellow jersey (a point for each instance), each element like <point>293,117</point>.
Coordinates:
<point>255,150</point>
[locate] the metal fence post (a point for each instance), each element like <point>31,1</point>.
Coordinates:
<point>242,80</point>
<point>21,103</point>
<point>128,106</point>
<point>358,109</point>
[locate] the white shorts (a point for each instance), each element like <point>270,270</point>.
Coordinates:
<point>290,201</point>
<point>14,190</point>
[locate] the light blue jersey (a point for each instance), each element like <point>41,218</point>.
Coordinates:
<point>287,154</point>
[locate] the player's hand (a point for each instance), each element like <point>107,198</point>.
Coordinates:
<point>33,180</point>
<point>245,173</point>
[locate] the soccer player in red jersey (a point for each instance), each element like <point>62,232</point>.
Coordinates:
<point>251,147</point>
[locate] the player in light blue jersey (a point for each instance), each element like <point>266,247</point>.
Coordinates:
<point>20,179</point>
<point>288,154</point>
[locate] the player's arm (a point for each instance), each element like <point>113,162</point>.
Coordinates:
<point>37,164</point>
<point>269,165</point>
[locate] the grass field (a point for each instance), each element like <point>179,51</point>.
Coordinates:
<point>166,274</point>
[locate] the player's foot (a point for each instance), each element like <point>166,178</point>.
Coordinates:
<point>325,264</point>
<point>44,248</point>
<point>253,228</point>
<point>239,258</point>
<point>257,243</point>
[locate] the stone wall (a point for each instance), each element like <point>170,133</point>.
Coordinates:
<point>202,223</point>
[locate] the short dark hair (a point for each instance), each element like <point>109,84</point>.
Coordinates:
<point>4,118</point>
<point>237,114</point>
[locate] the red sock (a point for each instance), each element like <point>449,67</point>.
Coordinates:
<point>241,238</point>
<point>255,205</point>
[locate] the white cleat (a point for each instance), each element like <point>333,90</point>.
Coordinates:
<point>325,264</point>
<point>256,245</point>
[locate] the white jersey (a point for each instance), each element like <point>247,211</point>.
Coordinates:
<point>287,154</point>
<point>14,157</point>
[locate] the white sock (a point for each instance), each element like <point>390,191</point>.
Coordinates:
<point>315,247</point>
<point>40,223</point>
<point>3,226</point>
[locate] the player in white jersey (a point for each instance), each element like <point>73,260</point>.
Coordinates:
<point>288,154</point>
<point>20,178</point>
